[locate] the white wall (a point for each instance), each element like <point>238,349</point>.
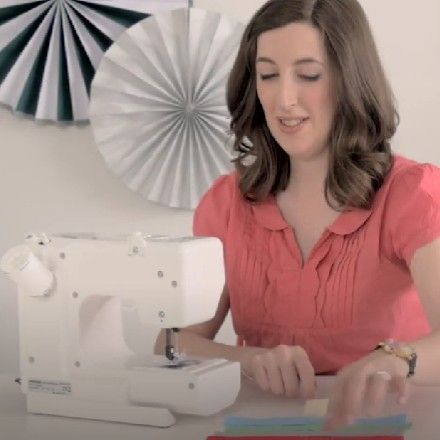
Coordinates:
<point>53,178</point>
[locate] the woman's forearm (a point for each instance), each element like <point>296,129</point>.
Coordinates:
<point>195,345</point>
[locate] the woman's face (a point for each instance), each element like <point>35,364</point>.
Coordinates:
<point>295,89</point>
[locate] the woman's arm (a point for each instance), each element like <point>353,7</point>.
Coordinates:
<point>363,385</point>
<point>425,270</point>
<point>197,340</point>
<point>282,370</point>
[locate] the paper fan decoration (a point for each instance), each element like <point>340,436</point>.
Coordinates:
<point>158,104</point>
<point>50,50</point>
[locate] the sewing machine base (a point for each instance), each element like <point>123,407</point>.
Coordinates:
<point>143,393</point>
<point>137,415</point>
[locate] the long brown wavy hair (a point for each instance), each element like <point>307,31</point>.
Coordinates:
<point>365,119</point>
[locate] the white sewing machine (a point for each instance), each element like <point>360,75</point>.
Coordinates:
<point>73,357</point>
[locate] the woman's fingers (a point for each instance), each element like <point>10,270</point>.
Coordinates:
<point>285,370</point>
<point>260,373</point>
<point>267,373</point>
<point>376,392</point>
<point>296,371</point>
<point>333,411</point>
<point>347,399</point>
<point>401,386</point>
<point>306,373</point>
<point>357,391</point>
<point>274,374</point>
<point>290,378</point>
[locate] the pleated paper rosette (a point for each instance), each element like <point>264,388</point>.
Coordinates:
<point>50,50</point>
<point>158,104</point>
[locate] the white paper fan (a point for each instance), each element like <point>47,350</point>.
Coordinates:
<point>158,104</point>
<point>50,49</point>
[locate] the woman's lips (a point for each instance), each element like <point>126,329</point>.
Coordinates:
<point>291,130</point>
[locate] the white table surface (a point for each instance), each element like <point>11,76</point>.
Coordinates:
<point>423,410</point>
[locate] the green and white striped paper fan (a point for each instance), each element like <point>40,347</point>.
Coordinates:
<point>50,50</point>
<point>158,104</point>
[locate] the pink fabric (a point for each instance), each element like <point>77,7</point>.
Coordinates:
<point>354,290</point>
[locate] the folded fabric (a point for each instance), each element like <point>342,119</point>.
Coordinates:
<point>282,421</point>
<point>246,427</point>
<point>365,431</point>
<point>298,437</point>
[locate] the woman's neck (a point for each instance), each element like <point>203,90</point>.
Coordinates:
<point>307,177</point>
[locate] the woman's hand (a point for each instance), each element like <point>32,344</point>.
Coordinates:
<point>362,387</point>
<point>283,370</point>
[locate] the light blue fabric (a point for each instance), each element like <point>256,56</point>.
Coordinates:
<point>286,421</point>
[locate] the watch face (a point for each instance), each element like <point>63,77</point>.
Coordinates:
<point>406,351</point>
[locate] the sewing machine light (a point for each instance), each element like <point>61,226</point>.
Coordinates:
<point>23,267</point>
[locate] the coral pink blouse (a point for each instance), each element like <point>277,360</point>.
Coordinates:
<point>354,290</point>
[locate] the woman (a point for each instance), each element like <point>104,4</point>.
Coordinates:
<point>331,241</point>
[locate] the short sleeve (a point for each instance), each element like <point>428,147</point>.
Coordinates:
<point>413,209</point>
<point>211,216</point>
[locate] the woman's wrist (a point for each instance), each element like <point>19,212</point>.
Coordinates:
<point>399,350</point>
<point>394,365</point>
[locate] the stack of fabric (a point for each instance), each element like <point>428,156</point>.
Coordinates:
<point>381,428</point>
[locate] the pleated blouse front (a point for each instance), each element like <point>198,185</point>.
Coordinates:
<point>354,290</point>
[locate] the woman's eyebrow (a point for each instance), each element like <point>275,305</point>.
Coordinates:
<point>300,61</point>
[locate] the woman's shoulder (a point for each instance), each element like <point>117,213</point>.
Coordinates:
<point>409,175</point>
<point>411,208</point>
<point>225,182</point>
<point>224,190</point>
<point>212,214</point>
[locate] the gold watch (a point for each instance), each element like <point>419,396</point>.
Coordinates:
<point>401,350</point>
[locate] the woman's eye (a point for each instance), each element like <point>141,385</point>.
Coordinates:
<point>304,77</point>
<point>310,77</point>
<point>269,76</point>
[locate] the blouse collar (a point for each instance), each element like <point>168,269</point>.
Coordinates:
<point>268,215</point>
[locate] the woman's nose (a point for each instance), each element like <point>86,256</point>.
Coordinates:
<point>287,94</point>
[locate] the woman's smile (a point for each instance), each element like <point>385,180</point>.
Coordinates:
<point>292,126</point>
